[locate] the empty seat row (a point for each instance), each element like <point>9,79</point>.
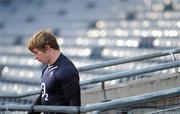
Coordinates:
<point>146,24</point>
<point>21,75</point>
<point>77,51</point>
<point>19,61</point>
<point>15,88</point>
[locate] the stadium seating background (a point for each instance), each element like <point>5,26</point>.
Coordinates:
<point>88,31</point>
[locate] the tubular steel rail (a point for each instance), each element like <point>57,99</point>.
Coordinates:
<point>102,79</point>
<point>130,59</point>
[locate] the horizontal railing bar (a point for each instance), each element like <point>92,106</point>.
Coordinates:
<point>127,60</point>
<point>39,108</point>
<point>123,102</point>
<point>26,94</point>
<point>129,73</point>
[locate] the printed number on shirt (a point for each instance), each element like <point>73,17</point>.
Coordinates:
<point>44,94</point>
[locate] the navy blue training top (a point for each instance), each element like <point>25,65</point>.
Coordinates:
<point>60,84</point>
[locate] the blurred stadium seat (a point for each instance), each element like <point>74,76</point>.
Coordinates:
<point>88,31</point>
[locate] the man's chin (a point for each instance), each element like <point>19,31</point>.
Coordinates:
<point>41,61</point>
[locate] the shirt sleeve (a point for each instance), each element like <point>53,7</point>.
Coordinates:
<point>70,85</point>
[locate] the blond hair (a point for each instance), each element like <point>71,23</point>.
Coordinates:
<point>42,38</point>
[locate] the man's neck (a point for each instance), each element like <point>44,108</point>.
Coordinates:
<point>54,56</point>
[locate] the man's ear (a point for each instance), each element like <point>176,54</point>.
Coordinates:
<point>47,47</point>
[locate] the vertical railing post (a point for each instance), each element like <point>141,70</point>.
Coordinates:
<point>124,111</point>
<point>174,59</point>
<point>103,91</point>
<point>104,97</point>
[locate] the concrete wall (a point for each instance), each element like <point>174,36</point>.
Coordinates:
<point>131,88</point>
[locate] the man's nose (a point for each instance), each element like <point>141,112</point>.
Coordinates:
<point>35,57</point>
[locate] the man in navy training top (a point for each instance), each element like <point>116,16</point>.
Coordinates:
<point>60,78</point>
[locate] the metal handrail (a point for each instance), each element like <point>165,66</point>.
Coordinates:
<point>131,73</point>
<point>129,59</point>
<point>118,103</point>
<point>127,101</point>
<point>26,94</point>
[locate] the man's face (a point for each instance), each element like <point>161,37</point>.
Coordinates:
<point>41,56</point>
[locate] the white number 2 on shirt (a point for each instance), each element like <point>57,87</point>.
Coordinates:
<point>43,87</point>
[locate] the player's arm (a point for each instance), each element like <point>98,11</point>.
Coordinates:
<point>72,93</point>
<point>70,85</point>
<point>36,102</point>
